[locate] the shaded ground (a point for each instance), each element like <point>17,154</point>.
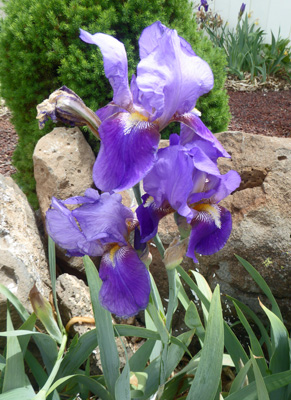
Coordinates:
<point>257,112</point>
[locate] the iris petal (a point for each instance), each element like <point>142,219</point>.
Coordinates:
<point>104,219</point>
<point>63,229</point>
<point>194,132</point>
<point>170,76</point>
<point>126,284</point>
<point>115,65</point>
<point>128,150</point>
<point>149,216</point>
<point>170,180</point>
<point>206,238</point>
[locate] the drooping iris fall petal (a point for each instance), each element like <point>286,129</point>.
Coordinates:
<point>206,237</point>
<point>128,150</point>
<point>126,284</point>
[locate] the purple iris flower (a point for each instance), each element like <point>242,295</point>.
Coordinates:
<point>170,78</point>
<point>100,226</point>
<point>204,4</point>
<point>242,10</point>
<point>184,179</point>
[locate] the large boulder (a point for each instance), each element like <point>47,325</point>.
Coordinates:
<point>63,162</point>
<point>261,219</point>
<point>22,258</point>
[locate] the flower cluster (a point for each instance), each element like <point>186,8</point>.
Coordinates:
<point>182,178</point>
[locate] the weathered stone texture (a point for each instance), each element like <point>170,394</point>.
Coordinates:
<point>22,257</point>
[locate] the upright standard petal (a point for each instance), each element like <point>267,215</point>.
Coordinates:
<point>128,150</point>
<point>126,284</point>
<point>178,173</point>
<point>170,180</point>
<point>170,76</point>
<point>115,65</point>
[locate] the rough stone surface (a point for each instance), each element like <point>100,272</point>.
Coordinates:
<point>22,257</point>
<point>74,301</point>
<point>261,219</point>
<point>63,163</point>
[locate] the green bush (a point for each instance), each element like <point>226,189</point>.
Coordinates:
<point>40,50</point>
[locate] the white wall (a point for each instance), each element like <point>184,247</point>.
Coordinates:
<point>270,14</point>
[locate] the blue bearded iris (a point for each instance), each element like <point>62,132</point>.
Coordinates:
<point>185,180</point>
<point>100,226</point>
<point>170,78</point>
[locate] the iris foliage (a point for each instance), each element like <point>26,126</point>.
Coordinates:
<point>261,372</point>
<point>246,49</point>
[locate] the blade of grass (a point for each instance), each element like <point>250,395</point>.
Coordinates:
<point>257,321</point>
<point>272,382</point>
<point>94,386</point>
<point>280,360</point>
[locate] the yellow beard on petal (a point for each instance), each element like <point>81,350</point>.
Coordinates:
<point>148,201</point>
<point>210,211</point>
<point>136,117</point>
<point>112,252</point>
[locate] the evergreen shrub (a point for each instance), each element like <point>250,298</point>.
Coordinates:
<point>40,50</point>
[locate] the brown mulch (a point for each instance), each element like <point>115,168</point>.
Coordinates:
<point>260,112</point>
<point>263,111</point>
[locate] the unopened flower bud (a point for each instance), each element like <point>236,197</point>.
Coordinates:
<point>175,253</point>
<point>66,106</point>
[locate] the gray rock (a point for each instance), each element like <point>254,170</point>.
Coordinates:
<point>63,162</point>
<point>261,219</point>
<point>22,257</point>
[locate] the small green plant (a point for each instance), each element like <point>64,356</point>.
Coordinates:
<point>245,49</point>
<point>40,50</point>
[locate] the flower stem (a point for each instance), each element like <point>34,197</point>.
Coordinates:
<point>137,193</point>
<point>172,284</point>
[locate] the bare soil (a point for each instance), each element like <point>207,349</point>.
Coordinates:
<point>259,112</point>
